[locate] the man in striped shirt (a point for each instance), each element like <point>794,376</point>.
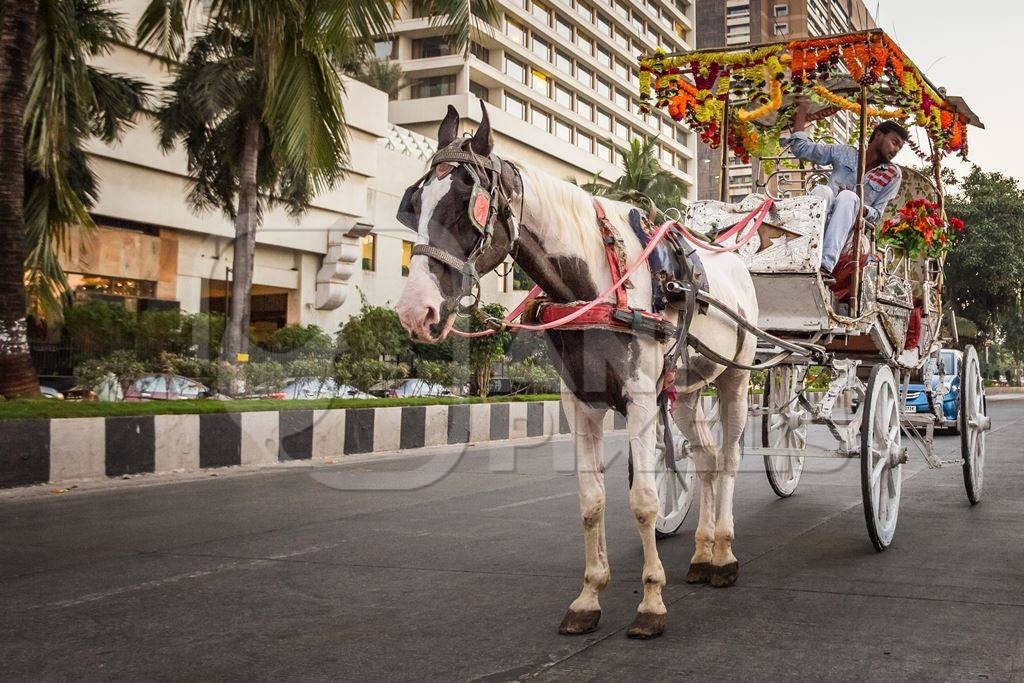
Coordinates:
<point>881,180</point>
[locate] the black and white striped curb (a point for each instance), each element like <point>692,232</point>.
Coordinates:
<point>70,449</point>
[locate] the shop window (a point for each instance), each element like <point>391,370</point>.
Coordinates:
<point>406,257</point>
<point>370,252</point>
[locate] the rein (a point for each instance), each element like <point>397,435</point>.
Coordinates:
<point>757,216</point>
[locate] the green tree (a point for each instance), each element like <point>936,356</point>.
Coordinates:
<point>373,333</point>
<point>382,74</point>
<point>258,104</point>
<point>69,101</point>
<point>643,180</point>
<point>985,272</point>
<point>483,352</point>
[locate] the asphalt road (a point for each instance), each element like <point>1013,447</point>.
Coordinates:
<point>291,573</point>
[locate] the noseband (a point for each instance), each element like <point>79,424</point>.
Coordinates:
<point>488,201</point>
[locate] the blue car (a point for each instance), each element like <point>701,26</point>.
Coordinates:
<point>918,400</point>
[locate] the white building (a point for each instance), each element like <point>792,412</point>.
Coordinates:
<point>561,81</point>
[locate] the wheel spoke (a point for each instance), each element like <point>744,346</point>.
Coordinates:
<point>876,469</point>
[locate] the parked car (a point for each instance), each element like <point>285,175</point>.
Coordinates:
<point>498,386</point>
<point>411,388</point>
<point>917,397</point>
<point>308,388</point>
<point>50,392</point>
<point>166,387</point>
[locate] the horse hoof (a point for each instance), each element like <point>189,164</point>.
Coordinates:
<point>700,572</point>
<point>647,625</point>
<point>578,623</point>
<point>726,575</point>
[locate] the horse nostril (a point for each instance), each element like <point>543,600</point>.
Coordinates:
<point>432,315</point>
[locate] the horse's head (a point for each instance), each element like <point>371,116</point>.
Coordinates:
<point>461,211</point>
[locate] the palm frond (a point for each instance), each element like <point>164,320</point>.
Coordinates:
<point>163,26</point>
<point>460,17</point>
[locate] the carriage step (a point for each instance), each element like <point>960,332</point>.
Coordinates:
<point>808,452</point>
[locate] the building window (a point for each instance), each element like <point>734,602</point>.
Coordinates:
<point>666,155</point>
<point>682,137</point>
<point>541,48</point>
<point>370,252</point>
<point>585,109</point>
<point>604,119</point>
<point>781,10</point>
<point>621,9</point>
<point>621,70</point>
<point>604,58</point>
<point>541,119</point>
<point>604,152</point>
<point>386,49</point>
<point>539,82</point>
<point>620,158</point>
<point>515,106</point>
<point>585,11</point>
<point>604,88</point>
<point>406,257</point>
<point>480,52</point>
<point>563,62</point>
<point>563,130</point>
<point>515,70</point>
<point>479,91</point>
<point>516,32</point>
<point>111,286</point>
<point>563,27</point>
<point>541,12</point>
<point>781,28</point>
<point>585,141</point>
<point>683,164</point>
<point>585,43</point>
<point>603,25</point>
<point>563,96</point>
<point>622,40</point>
<point>436,86</point>
<point>621,100</point>
<point>436,46</point>
<point>621,129</point>
<point>585,76</point>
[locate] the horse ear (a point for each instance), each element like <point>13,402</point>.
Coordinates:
<point>449,128</point>
<point>482,142</point>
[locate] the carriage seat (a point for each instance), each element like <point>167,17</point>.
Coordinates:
<point>783,257</point>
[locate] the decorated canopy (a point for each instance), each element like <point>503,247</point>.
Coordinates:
<point>760,81</point>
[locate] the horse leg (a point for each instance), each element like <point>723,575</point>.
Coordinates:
<point>733,400</point>
<point>693,424</point>
<point>588,437</point>
<point>641,424</point>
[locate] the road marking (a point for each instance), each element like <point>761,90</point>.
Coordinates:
<point>202,573</point>
<point>529,501</point>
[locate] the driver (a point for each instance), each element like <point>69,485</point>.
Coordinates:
<point>881,181</point>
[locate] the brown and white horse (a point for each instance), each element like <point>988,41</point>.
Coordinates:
<point>556,241</point>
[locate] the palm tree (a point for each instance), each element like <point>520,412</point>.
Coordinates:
<point>644,181</point>
<point>69,100</point>
<point>17,33</point>
<point>63,100</point>
<point>257,104</point>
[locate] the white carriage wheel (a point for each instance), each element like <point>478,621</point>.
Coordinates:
<point>784,426</point>
<point>881,456</point>
<point>675,489</point>
<point>974,422</point>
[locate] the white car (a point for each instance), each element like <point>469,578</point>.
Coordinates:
<point>412,388</point>
<point>309,388</point>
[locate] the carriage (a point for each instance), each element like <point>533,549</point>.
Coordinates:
<point>882,326</point>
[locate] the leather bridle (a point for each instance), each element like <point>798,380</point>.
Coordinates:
<point>491,199</point>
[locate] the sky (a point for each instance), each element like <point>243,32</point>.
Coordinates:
<point>974,49</point>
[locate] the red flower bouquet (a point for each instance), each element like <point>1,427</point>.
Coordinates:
<point>920,230</point>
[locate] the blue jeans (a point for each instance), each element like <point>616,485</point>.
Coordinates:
<point>841,212</point>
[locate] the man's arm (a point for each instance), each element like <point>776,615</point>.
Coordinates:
<point>800,145</point>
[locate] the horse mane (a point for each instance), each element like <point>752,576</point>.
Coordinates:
<point>568,210</point>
